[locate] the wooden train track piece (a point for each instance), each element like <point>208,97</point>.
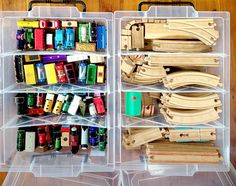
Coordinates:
<point>179,46</point>
<point>137,37</point>
<point>142,137</point>
<point>179,79</point>
<point>140,81</point>
<point>183,60</point>
<point>155,95</point>
<point>148,107</point>
<point>179,29</point>
<point>190,117</point>
<point>127,65</point>
<point>183,153</point>
<point>186,135</point>
<point>191,102</point>
<point>155,72</point>
<point>126,42</point>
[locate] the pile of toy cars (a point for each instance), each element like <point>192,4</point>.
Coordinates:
<point>62,69</point>
<point>61,138</point>
<point>84,104</point>
<point>60,35</point>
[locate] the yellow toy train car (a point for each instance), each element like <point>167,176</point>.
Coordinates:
<point>28,24</point>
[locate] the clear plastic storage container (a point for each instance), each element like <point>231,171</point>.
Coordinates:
<point>136,159</point>
<point>52,163</point>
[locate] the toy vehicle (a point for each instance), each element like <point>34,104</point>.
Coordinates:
<point>30,75</point>
<point>84,33</point>
<point>30,100</point>
<point>39,36</point>
<point>49,41</point>
<point>41,136</point>
<point>50,24</point>
<point>91,74</point>
<point>50,73</point>
<point>69,23</point>
<point>41,76</point>
<point>101,37</point>
<point>98,102</point>
<point>32,58</point>
<point>20,37</point>
<point>93,32</point>
<point>30,141</point>
<point>74,105</point>
<point>53,58</point>
<point>85,47</point>
<point>58,105</point>
<point>49,102</point>
<point>35,111</point>
<point>20,144</point>
<point>65,135</point>
<point>39,100</point>
<point>56,133</point>
<point>74,141</point>
<point>19,69</point>
<point>102,139</point>
<point>69,39</point>
<point>21,106</point>
<point>67,103</point>
<point>61,74</point>
<point>83,107</point>
<point>92,109</point>
<point>28,24</point>
<point>48,137</point>
<point>70,73</point>
<point>84,137</point>
<point>82,72</point>
<point>93,136</point>
<point>100,73</point>
<point>29,37</point>
<point>74,58</point>
<point>59,39</point>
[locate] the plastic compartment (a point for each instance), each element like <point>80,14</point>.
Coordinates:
<point>84,179</point>
<point>134,159</point>
<point>52,164</point>
<point>141,178</point>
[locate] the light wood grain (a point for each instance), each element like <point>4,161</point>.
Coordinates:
<point>206,5</point>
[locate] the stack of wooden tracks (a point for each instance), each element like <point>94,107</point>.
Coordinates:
<point>191,108</point>
<point>169,35</point>
<point>168,145</point>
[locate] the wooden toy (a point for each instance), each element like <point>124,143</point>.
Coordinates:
<point>137,37</point>
<point>179,46</point>
<point>180,79</point>
<point>188,101</point>
<point>85,47</point>
<point>97,59</point>
<point>127,65</point>
<point>183,60</point>
<point>167,152</point>
<point>190,117</point>
<point>126,42</point>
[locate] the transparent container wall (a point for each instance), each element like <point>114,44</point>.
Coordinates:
<point>55,164</point>
<point>158,120</point>
<point>84,179</point>
<point>136,160</point>
<point>143,178</point>
<point>9,22</point>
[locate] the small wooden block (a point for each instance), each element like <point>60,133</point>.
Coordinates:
<point>86,47</point>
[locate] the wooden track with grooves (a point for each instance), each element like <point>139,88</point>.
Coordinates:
<point>201,5</point>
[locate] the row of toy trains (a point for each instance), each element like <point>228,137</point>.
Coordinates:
<point>60,137</point>
<point>84,104</point>
<point>56,69</point>
<point>60,35</point>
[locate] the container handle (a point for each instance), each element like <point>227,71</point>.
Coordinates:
<point>164,3</point>
<point>74,2</point>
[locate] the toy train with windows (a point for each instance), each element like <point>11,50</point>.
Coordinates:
<point>59,69</point>
<point>61,138</point>
<point>60,35</point>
